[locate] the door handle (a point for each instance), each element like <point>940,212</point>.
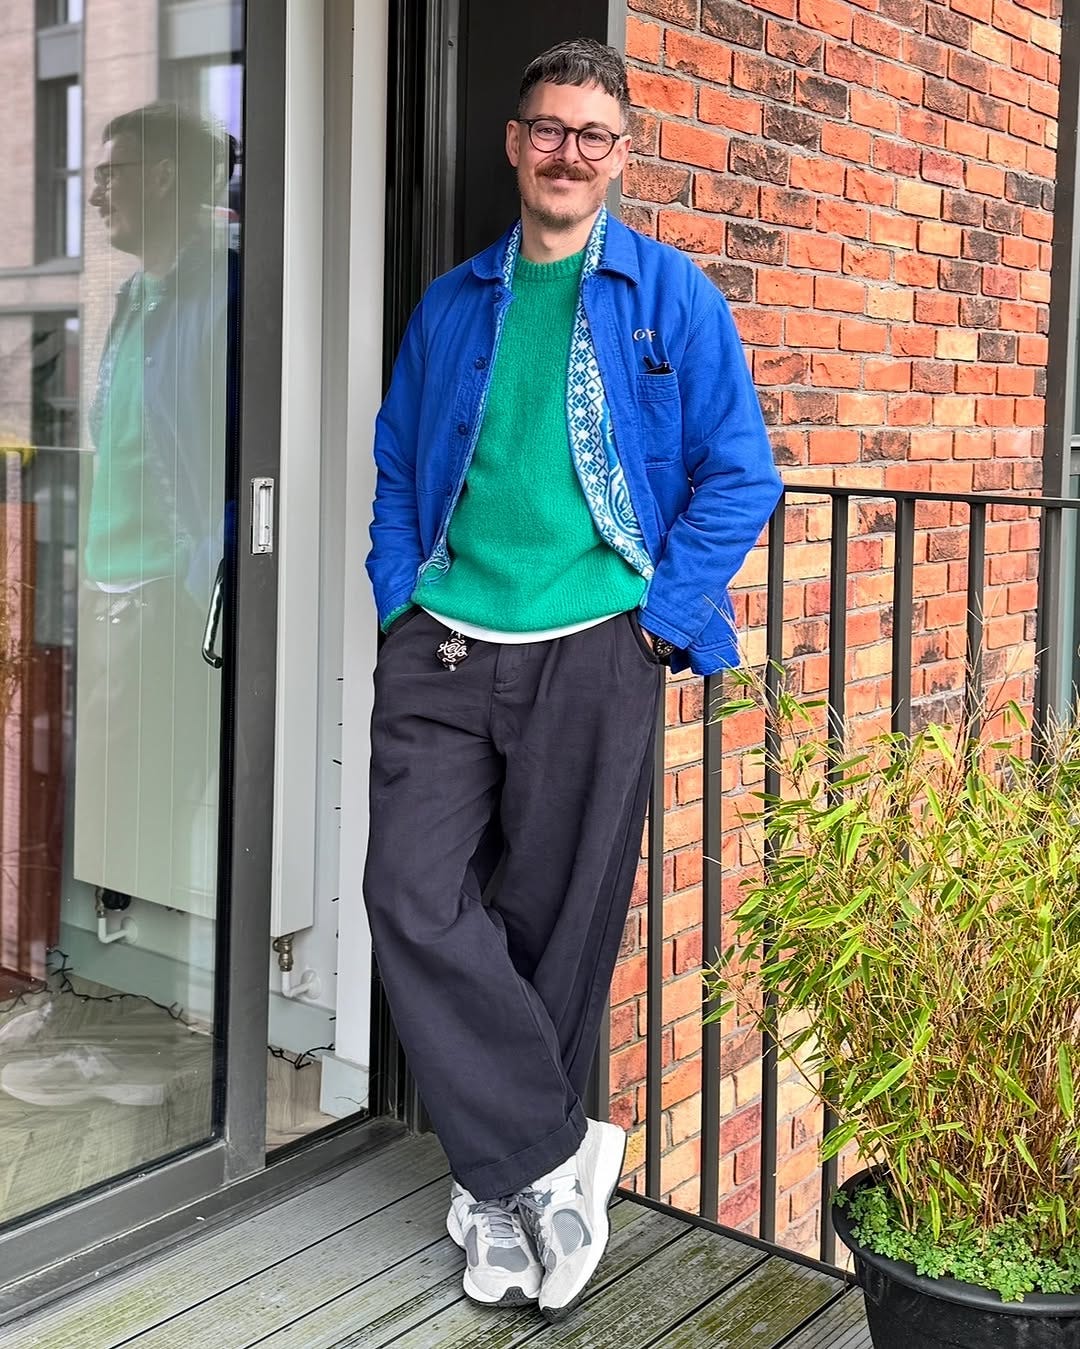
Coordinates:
<point>213,618</point>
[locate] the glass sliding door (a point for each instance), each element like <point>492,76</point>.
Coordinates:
<point>119,266</point>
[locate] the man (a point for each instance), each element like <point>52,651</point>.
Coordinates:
<point>148,703</point>
<point>571,467</point>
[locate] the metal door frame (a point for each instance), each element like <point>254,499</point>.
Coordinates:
<point>103,1221</point>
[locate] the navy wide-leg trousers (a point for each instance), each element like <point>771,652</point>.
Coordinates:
<point>507,804</point>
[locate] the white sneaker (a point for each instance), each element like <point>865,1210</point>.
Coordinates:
<point>565,1213</point>
<point>20,1030</point>
<point>501,1268</point>
<point>85,1073</point>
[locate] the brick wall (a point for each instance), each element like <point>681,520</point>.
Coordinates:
<point>872,187</point>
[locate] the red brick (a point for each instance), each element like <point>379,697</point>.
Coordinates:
<point>812,250</point>
<point>666,94</point>
<point>982,178</point>
<point>655,182</point>
<point>861,336</point>
<point>893,231</point>
<point>874,188</point>
<point>692,233</point>
<point>915,270</point>
<point>827,16</point>
<point>836,293</point>
<point>891,375</point>
<point>922,127</point>
<point>835,372</point>
<point>860,409</point>
<point>788,367</point>
<point>876,35</point>
<point>643,40</point>
<point>759,75</point>
<point>841,217</point>
<point>845,142</point>
<point>784,207</point>
<point>761,327</point>
<point>818,176</point>
<point>701,56</point>
<point>896,157</point>
<point>673,11</point>
<point>784,287</point>
<point>872,110</point>
<point>900,82</point>
<point>935,237</point>
<point>728,196</point>
<point>691,145</point>
<point>875,263</point>
<point>811,330</point>
<point>721,109</point>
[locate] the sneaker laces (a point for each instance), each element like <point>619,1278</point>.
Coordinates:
<point>536,1202</point>
<point>497,1218</point>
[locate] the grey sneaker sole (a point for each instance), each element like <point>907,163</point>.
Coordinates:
<point>512,1297</point>
<point>607,1180</point>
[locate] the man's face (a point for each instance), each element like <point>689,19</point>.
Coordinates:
<point>561,188</point>
<point>128,193</point>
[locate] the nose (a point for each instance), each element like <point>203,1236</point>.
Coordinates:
<point>570,150</point>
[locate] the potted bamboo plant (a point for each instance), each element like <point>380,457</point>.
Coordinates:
<point>917,921</point>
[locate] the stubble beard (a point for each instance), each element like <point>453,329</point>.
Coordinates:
<point>560,221</point>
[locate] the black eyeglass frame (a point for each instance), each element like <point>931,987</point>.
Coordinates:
<point>577,131</point>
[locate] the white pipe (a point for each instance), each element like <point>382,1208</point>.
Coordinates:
<point>127,931</point>
<point>306,985</point>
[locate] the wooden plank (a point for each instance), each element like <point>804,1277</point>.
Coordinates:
<point>757,1312</point>
<point>378,1311</point>
<point>383,1308</point>
<point>143,1297</point>
<point>247,1313</point>
<point>467,1326</point>
<point>841,1326</point>
<point>656,1296</point>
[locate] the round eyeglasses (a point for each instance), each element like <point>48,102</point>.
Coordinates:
<point>546,135</point>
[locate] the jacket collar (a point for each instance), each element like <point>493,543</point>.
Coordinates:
<point>619,255</point>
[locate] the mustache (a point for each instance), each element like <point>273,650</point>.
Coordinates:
<point>571,171</point>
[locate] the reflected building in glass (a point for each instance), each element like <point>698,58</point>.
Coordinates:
<point>120,137</point>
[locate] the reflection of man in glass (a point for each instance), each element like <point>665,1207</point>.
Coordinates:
<point>147,702</point>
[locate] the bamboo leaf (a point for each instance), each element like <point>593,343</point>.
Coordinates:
<point>1065,1083</point>
<point>883,1084</point>
<point>1015,1090</point>
<point>1022,1148</point>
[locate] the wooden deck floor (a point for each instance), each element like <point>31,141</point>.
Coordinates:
<point>362,1259</point>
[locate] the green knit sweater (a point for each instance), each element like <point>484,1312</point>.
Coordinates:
<point>525,553</point>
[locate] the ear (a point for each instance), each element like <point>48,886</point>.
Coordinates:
<point>618,157</point>
<point>513,142</point>
<point>160,178</point>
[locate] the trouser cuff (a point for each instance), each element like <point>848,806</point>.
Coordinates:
<point>498,1179</point>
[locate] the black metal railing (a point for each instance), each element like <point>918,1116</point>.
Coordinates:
<point>1048,698</point>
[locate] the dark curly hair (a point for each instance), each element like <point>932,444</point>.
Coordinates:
<point>580,61</point>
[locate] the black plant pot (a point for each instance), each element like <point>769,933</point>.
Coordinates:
<point>906,1311</point>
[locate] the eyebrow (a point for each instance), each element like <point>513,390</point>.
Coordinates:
<point>589,126</point>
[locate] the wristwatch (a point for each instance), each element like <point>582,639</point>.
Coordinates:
<point>663,650</point>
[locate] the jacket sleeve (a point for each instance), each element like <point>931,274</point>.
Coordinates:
<point>734,482</point>
<point>396,552</point>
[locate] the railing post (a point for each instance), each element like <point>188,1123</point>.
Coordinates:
<point>654,959</point>
<point>838,583</point>
<point>712,945</point>
<point>903,607</point>
<point>774,655</point>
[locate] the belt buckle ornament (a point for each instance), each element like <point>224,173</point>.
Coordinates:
<point>452,651</point>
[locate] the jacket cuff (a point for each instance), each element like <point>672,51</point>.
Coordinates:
<point>394,615</point>
<point>659,627</point>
